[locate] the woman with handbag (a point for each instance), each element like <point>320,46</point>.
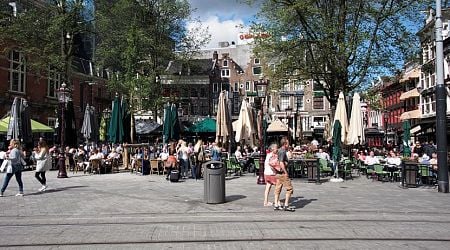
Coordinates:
<point>43,163</point>
<point>15,167</point>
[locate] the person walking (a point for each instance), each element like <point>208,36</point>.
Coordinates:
<point>283,179</point>
<point>15,157</point>
<point>43,164</point>
<point>271,165</point>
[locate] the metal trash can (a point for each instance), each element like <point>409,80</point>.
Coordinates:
<point>214,178</point>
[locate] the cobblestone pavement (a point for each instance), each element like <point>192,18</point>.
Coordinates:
<point>124,210</point>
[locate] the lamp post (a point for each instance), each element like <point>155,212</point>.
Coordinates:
<point>261,91</point>
<point>386,118</point>
<point>288,111</point>
<point>63,98</point>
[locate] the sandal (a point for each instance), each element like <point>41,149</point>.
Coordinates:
<point>289,209</point>
<point>277,208</point>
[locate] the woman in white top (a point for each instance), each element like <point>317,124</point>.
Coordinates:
<point>269,174</point>
<point>43,163</point>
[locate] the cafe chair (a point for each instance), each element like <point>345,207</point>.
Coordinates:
<point>380,172</point>
<point>95,165</point>
<point>324,168</point>
<point>256,162</point>
<point>154,166</point>
<point>425,174</point>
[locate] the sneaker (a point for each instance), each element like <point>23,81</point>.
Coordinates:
<point>277,207</point>
<point>19,194</point>
<point>289,209</point>
<point>43,188</point>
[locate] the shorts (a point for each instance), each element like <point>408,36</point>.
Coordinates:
<point>271,179</point>
<point>283,180</point>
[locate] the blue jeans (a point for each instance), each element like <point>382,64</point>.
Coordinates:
<point>8,177</point>
<point>184,166</point>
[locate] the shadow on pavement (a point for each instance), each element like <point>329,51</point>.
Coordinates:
<point>297,202</point>
<point>54,190</point>
<point>234,198</point>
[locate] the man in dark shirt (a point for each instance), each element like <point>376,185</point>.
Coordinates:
<point>283,178</point>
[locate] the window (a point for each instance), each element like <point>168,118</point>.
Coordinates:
<point>319,121</point>
<point>236,87</point>
<point>202,92</point>
<point>51,122</point>
<point>318,103</point>
<point>53,83</point>
<point>298,85</point>
<point>284,102</point>
<point>225,63</point>
<point>256,61</point>
<point>215,87</point>
<point>257,70</point>
<point>17,74</point>
<point>194,92</point>
<point>306,123</point>
<point>299,103</point>
<point>285,86</point>
<point>225,73</point>
<point>247,86</point>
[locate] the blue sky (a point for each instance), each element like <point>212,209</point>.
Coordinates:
<point>224,18</point>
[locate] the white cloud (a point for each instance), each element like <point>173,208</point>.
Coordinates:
<point>222,31</point>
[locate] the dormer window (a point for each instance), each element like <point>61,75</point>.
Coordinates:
<point>225,63</point>
<point>256,61</point>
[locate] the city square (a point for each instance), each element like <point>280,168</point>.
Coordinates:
<point>147,212</point>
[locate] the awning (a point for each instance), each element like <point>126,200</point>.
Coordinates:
<point>207,125</point>
<point>415,73</point>
<point>414,114</point>
<point>409,94</point>
<point>277,126</point>
<point>36,127</point>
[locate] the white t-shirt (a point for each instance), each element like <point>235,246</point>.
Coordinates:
<point>267,168</point>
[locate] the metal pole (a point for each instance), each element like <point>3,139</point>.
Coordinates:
<point>441,106</point>
<point>262,154</point>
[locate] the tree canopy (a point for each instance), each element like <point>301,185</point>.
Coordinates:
<point>338,43</point>
<point>46,33</point>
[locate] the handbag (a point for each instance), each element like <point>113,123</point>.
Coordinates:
<point>4,165</point>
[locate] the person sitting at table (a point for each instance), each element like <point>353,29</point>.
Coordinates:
<point>392,159</point>
<point>243,161</point>
<point>96,155</point>
<point>425,159</point>
<point>322,154</point>
<point>434,164</point>
<point>371,160</point>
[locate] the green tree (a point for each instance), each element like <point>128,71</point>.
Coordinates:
<point>339,44</point>
<point>136,40</point>
<point>46,34</point>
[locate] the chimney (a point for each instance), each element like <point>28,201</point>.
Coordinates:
<point>215,56</point>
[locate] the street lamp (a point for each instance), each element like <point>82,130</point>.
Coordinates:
<point>261,92</point>
<point>288,111</point>
<point>63,98</point>
<point>386,117</point>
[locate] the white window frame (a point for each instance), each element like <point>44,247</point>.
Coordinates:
<point>55,78</point>
<point>225,73</point>
<point>298,85</point>
<point>256,61</point>
<point>236,87</point>
<point>20,69</point>
<point>320,124</point>
<point>225,63</point>
<point>323,102</point>
<point>302,106</point>
<point>257,67</point>
<point>247,86</point>
<point>285,102</point>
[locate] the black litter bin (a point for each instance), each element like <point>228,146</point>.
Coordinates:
<point>214,176</point>
<point>409,178</point>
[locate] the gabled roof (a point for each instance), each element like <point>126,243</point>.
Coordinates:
<point>193,67</point>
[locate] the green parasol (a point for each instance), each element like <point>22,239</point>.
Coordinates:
<point>115,131</point>
<point>337,141</point>
<point>406,139</point>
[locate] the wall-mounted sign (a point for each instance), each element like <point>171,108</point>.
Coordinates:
<point>251,36</point>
